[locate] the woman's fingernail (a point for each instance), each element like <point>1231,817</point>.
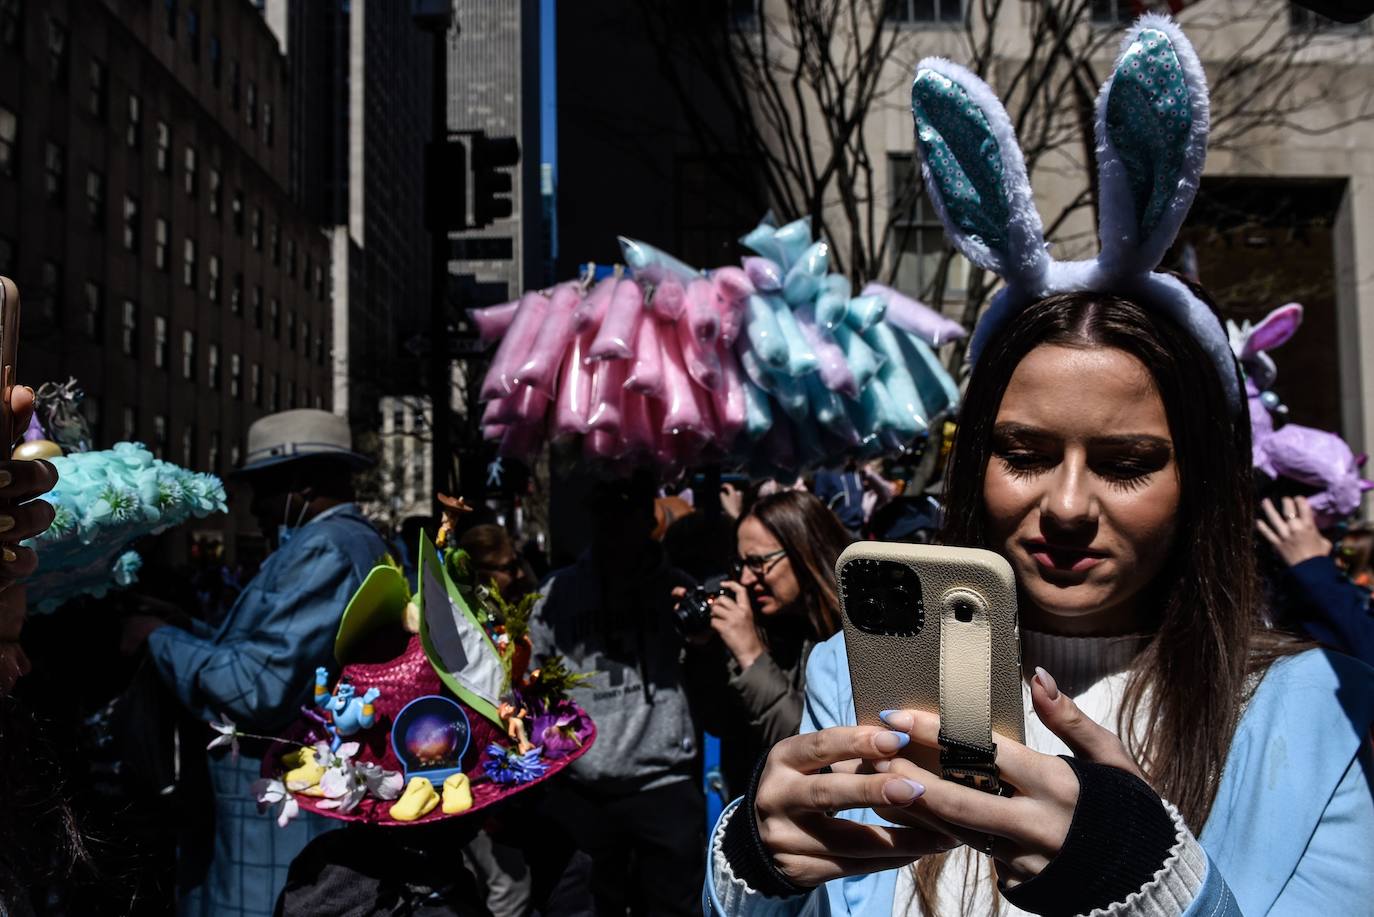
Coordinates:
<point>6,479</point>
<point>882,766</point>
<point>1047,682</point>
<point>902,791</point>
<point>897,719</point>
<point>8,556</point>
<point>889,742</point>
<point>6,523</point>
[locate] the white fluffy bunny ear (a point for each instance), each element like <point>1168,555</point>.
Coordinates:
<point>1151,145</point>
<point>975,174</point>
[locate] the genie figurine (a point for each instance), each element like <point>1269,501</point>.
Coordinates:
<point>348,713</point>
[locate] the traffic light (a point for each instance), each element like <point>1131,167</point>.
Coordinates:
<point>446,192</point>
<point>491,184</point>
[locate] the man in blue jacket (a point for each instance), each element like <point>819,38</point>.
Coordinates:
<point>256,667</point>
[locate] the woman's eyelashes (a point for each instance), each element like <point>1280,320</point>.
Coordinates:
<point>1127,473</point>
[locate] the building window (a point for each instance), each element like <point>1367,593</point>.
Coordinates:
<point>274,393</point>
<point>216,192</point>
<point>164,148</point>
<point>95,311</point>
<point>267,123</point>
<point>215,60</point>
<point>161,257</point>
<point>319,401</point>
<point>96,102</point>
<point>255,384</point>
<point>212,367</point>
<point>305,337</point>
<point>57,52</point>
<point>235,376</point>
<point>159,435</point>
<point>919,235</point>
<point>236,211</point>
<point>159,342</point>
<point>291,394</point>
<point>1302,19</point>
<point>171,8</point>
<point>133,130</point>
<point>95,199</point>
<point>250,108</point>
<point>188,355</point>
<point>130,423</point>
<point>257,306</point>
<point>319,282</point>
<point>291,329</point>
<point>274,317</point>
<point>305,278</point>
<point>236,296</point>
<point>190,164</point>
<point>188,262</point>
<point>55,173</point>
<point>212,277</point>
<point>128,329</point>
<point>188,446</point>
<point>291,258</point>
<point>212,453</point>
<point>925,10</point>
<point>234,85</point>
<point>131,223</point>
<point>1113,12</point>
<point>50,293</point>
<point>319,349</point>
<point>11,23</point>
<point>743,15</point>
<point>255,230</point>
<point>9,142</point>
<point>274,242</point>
<point>193,34</point>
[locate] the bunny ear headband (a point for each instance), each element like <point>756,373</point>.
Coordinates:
<point>1151,137</point>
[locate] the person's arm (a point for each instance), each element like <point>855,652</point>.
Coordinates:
<point>772,701</point>
<point>1339,611</point>
<point>259,676</point>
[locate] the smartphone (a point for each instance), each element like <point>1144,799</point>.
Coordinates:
<point>932,627</point>
<point>9,353</point>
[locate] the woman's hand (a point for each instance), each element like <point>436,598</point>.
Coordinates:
<point>1023,832</point>
<point>1294,533</point>
<point>731,500</point>
<point>808,778</point>
<point>732,617</point>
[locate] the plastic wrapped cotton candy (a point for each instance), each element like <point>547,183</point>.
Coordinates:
<point>616,338</point>
<point>646,374</point>
<point>668,299</point>
<point>546,353</point>
<point>608,381</point>
<point>792,240</point>
<point>591,311</point>
<point>574,390</point>
<point>758,413</point>
<point>828,409</point>
<point>730,400</point>
<point>761,329</point>
<point>701,313</point>
<point>863,312</point>
<point>638,431</point>
<point>732,283</point>
<point>763,240</point>
<point>936,387</point>
<point>653,264</point>
<point>909,415</point>
<point>520,441</point>
<point>834,369</point>
<point>800,359</point>
<point>493,321</point>
<point>764,274</point>
<point>732,288</point>
<point>683,413</point>
<point>790,393</point>
<point>916,317</point>
<point>515,346</point>
<point>803,279</point>
<point>701,361</point>
<point>600,445</point>
<point>863,362</point>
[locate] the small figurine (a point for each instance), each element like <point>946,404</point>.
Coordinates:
<point>348,714</point>
<point>453,508</point>
<point>514,718</point>
<point>417,801</point>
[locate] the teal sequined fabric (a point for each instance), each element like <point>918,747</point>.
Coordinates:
<point>962,156</point>
<point>1148,119</point>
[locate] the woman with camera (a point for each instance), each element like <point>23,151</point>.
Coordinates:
<point>1181,758</point>
<point>747,670</point>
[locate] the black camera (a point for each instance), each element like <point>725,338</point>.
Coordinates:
<point>694,609</point>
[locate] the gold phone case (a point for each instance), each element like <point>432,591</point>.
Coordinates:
<point>960,590</point>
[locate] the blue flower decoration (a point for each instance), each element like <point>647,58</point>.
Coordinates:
<point>509,768</point>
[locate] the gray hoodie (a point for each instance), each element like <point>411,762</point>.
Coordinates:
<point>622,628</point>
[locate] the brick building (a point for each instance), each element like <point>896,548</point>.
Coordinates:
<point>144,212</point>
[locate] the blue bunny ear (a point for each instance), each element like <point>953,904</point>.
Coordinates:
<point>975,174</point>
<point>1151,131</point>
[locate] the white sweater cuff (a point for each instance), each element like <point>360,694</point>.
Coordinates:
<point>733,896</point>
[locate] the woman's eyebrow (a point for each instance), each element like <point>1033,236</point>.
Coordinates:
<point>1141,441</point>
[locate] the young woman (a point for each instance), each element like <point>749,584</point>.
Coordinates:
<point>1209,767</point>
<point>748,685</point>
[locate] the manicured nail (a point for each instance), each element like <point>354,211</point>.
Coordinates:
<point>6,523</point>
<point>1047,682</point>
<point>902,791</point>
<point>889,742</point>
<point>10,557</point>
<point>897,719</point>
<point>882,766</point>
<point>6,479</point>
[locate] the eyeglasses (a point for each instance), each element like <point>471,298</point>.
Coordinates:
<point>759,565</point>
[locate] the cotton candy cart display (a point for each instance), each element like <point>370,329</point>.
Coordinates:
<point>775,364</point>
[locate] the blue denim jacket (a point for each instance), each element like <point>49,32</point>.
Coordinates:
<point>1290,832</point>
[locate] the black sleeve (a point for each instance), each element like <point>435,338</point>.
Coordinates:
<point>1120,836</point>
<point>1336,611</point>
<point>743,848</point>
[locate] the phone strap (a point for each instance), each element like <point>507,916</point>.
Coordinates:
<point>967,753</point>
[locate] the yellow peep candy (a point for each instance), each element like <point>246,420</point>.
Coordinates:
<point>418,800</point>
<point>457,794</point>
<point>306,773</point>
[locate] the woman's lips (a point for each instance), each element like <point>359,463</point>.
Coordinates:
<point>1064,559</point>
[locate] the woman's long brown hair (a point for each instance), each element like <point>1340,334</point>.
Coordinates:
<point>1188,686</point>
<point>813,538</point>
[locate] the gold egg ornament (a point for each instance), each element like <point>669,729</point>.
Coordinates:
<point>37,449</point>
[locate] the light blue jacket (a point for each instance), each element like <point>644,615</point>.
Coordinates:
<point>1292,827</point>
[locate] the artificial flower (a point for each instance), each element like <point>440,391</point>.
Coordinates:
<point>271,792</point>
<point>228,734</point>
<point>508,767</point>
<point>558,731</point>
